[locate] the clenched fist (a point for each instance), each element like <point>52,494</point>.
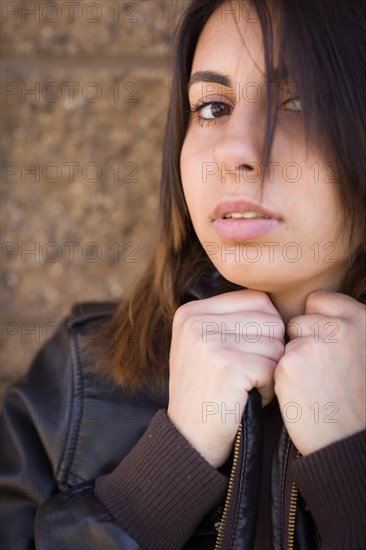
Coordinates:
<point>320,380</point>
<point>222,347</point>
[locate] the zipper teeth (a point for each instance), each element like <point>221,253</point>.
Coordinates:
<point>292,514</point>
<point>229,495</point>
<point>292,517</point>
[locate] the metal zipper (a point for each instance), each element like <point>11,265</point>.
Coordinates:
<point>292,515</point>
<point>229,497</point>
<point>292,518</point>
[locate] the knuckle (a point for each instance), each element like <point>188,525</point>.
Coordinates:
<point>314,297</point>
<point>295,322</point>
<point>361,311</point>
<point>183,312</point>
<point>284,363</point>
<point>194,326</point>
<point>329,322</point>
<point>261,298</point>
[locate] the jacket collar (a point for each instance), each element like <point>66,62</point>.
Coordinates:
<point>208,283</point>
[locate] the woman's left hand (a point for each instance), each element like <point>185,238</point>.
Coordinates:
<point>320,379</point>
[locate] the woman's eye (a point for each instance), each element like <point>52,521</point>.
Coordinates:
<point>293,104</point>
<point>213,110</point>
<point>206,113</point>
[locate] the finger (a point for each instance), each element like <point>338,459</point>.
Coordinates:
<point>319,326</point>
<point>332,304</point>
<point>248,326</point>
<point>265,349</point>
<point>248,370</point>
<point>259,373</point>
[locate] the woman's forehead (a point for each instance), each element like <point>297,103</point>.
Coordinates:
<point>231,42</point>
<point>225,45</point>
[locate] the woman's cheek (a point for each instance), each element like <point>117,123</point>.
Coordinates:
<point>191,176</point>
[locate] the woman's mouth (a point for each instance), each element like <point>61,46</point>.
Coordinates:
<point>241,220</point>
<point>246,215</point>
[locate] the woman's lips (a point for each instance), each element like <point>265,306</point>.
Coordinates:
<point>256,219</point>
<point>244,229</point>
<point>229,205</point>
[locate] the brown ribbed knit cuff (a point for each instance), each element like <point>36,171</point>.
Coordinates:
<point>162,489</point>
<point>333,484</point>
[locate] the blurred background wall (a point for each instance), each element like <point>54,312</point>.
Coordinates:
<point>85,88</point>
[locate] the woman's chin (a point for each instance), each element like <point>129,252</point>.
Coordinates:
<point>265,278</point>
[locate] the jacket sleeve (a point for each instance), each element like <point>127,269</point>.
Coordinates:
<point>27,469</point>
<point>34,427</point>
<point>332,481</point>
<point>154,499</point>
<point>28,483</point>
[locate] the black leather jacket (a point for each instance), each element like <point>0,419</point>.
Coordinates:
<point>65,427</point>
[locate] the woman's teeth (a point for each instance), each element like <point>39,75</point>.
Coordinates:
<point>246,215</point>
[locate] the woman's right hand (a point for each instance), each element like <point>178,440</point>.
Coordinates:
<point>222,347</point>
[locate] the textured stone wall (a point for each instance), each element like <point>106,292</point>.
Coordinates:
<point>84,100</point>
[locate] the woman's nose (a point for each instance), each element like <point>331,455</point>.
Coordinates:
<point>238,149</point>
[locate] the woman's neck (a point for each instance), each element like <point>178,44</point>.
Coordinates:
<point>292,302</point>
<point>289,306</point>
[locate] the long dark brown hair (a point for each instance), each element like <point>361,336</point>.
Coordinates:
<point>322,47</point>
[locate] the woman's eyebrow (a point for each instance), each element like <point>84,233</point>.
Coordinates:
<point>209,76</point>
<point>279,73</point>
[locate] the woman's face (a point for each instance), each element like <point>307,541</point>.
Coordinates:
<point>290,233</point>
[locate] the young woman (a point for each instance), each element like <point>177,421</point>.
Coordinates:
<point>254,295</point>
